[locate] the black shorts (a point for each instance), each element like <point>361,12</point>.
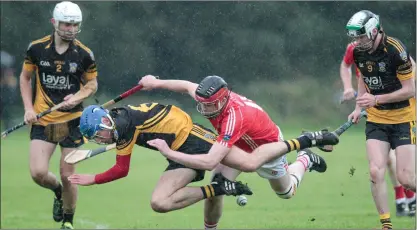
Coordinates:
<point>74,139</point>
<point>199,141</point>
<point>395,134</point>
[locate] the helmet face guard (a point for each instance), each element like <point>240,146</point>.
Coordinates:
<point>111,129</point>
<point>215,105</point>
<point>67,35</point>
<point>363,43</point>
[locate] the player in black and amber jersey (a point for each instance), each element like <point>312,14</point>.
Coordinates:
<point>65,71</point>
<point>130,125</point>
<point>404,198</point>
<point>386,89</point>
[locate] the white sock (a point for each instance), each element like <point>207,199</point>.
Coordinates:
<point>400,200</point>
<point>409,200</point>
<point>305,160</point>
<point>210,226</point>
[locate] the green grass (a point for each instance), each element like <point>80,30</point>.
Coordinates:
<point>125,203</point>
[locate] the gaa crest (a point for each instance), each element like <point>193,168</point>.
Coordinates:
<point>72,67</point>
<point>382,67</point>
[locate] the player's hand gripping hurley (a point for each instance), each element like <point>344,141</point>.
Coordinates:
<point>339,131</point>
<point>23,123</point>
<point>347,124</point>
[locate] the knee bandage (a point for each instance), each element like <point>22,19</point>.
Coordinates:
<point>291,190</point>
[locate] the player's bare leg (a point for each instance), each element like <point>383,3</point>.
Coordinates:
<point>40,154</point>
<point>406,166</point>
<point>286,186</point>
<point>377,152</point>
<point>171,194</point>
<point>392,168</point>
<point>406,173</point>
<point>407,195</point>
<point>70,191</point>
<point>174,181</point>
<point>213,207</point>
<point>270,151</point>
<point>400,201</point>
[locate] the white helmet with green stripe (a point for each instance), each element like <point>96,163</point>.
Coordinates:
<point>363,27</point>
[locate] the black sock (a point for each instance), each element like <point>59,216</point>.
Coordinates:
<point>58,191</point>
<point>385,221</point>
<point>212,190</point>
<point>298,143</point>
<point>68,217</point>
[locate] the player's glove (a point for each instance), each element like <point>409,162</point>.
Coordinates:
<point>323,140</point>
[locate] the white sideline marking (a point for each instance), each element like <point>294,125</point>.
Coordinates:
<point>89,222</point>
<point>79,220</point>
<point>84,222</point>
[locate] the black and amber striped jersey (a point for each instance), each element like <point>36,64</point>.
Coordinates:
<point>382,71</point>
<point>139,124</point>
<point>58,75</point>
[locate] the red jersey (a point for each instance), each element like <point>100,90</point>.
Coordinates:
<point>348,58</point>
<point>244,123</point>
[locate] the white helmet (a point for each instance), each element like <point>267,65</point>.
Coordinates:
<point>67,12</point>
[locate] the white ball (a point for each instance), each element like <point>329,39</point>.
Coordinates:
<point>241,200</point>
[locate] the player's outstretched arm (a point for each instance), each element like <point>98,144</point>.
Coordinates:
<point>207,161</point>
<point>181,86</point>
<point>346,75</point>
<point>119,170</point>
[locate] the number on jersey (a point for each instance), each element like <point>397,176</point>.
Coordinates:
<point>250,103</point>
<point>143,107</point>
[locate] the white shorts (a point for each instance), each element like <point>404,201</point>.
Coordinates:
<point>276,168</point>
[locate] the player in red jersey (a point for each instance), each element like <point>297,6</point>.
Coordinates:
<point>403,197</point>
<point>346,73</point>
<point>242,126</point>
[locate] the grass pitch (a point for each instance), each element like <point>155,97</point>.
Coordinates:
<point>332,200</point>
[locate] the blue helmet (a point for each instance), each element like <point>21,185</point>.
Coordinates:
<point>91,121</point>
